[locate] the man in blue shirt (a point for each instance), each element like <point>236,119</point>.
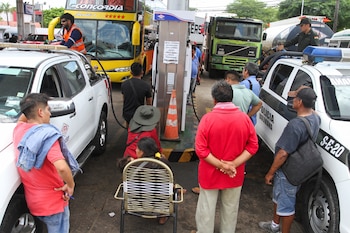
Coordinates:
<point>249,80</point>
<point>194,73</point>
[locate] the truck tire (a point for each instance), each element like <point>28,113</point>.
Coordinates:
<point>323,215</point>
<point>213,73</point>
<point>17,218</point>
<point>100,139</point>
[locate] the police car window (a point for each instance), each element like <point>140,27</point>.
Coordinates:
<point>74,77</point>
<point>280,77</point>
<point>336,96</point>
<point>301,79</point>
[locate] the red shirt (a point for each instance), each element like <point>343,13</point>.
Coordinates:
<point>39,184</point>
<point>131,142</point>
<point>225,132</point>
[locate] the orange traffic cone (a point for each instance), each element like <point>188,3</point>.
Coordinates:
<point>171,130</point>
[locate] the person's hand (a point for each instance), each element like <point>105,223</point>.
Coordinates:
<point>269,178</point>
<point>67,192</point>
<point>280,47</point>
<point>228,168</point>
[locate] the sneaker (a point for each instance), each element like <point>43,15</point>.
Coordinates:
<point>268,227</point>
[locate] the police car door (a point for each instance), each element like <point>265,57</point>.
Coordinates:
<point>273,115</point>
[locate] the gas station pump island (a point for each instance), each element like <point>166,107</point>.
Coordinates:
<point>172,68</point>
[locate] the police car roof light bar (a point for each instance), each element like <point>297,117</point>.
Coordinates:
<point>314,54</point>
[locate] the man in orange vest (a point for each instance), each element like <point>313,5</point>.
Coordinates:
<point>72,36</point>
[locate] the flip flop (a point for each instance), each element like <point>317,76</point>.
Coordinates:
<point>162,220</point>
<point>196,190</point>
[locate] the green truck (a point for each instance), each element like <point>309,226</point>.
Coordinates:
<point>230,43</point>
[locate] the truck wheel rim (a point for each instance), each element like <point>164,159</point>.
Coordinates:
<point>319,213</point>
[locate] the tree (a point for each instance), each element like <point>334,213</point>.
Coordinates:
<point>253,9</point>
<point>5,7</point>
<point>292,8</point>
<point>51,14</point>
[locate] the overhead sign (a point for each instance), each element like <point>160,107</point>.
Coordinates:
<point>28,9</point>
<point>174,15</point>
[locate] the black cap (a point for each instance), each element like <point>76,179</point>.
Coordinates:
<point>306,94</point>
<point>304,21</point>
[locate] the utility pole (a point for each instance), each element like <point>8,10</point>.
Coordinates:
<point>20,19</point>
<point>335,20</point>
<point>302,8</point>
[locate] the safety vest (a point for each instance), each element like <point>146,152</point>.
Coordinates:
<point>79,44</point>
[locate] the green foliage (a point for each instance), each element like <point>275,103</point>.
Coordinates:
<point>292,8</point>
<point>51,14</point>
<point>253,9</point>
<point>5,7</point>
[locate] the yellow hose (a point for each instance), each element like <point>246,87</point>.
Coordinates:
<point>52,26</point>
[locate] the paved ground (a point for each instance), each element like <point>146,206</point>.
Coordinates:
<point>94,209</point>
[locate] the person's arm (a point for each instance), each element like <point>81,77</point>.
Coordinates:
<point>149,101</point>
<point>75,36</point>
<point>242,158</point>
<point>254,109</point>
<point>291,42</point>
<point>278,161</point>
<point>66,174</point>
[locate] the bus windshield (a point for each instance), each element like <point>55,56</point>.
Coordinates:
<point>238,30</point>
<point>107,40</point>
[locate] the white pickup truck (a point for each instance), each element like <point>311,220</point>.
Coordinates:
<point>327,71</point>
<point>79,106</point>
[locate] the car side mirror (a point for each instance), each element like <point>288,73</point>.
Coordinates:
<point>61,107</point>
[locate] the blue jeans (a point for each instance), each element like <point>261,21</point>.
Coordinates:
<point>57,223</point>
<point>284,194</point>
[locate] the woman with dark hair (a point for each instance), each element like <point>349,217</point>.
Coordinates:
<point>146,148</point>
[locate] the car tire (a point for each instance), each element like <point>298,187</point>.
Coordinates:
<point>100,139</point>
<point>321,214</point>
<point>18,218</point>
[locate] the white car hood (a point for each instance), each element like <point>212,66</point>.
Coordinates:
<point>6,130</point>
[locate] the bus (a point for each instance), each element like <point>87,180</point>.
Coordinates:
<point>114,34</point>
<point>230,43</point>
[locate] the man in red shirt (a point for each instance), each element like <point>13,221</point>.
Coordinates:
<point>225,140</point>
<point>47,178</point>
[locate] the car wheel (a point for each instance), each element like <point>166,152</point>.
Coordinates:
<point>100,140</point>
<point>320,214</point>
<point>18,219</point>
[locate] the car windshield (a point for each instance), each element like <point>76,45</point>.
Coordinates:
<point>336,96</point>
<point>14,85</point>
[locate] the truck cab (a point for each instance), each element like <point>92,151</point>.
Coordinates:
<point>327,71</point>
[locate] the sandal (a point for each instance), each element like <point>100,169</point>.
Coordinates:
<point>196,190</point>
<point>162,220</point>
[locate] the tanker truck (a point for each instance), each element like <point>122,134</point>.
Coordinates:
<point>287,29</point>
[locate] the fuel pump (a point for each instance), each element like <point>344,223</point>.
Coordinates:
<point>170,69</point>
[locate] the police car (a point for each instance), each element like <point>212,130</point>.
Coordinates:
<point>327,71</point>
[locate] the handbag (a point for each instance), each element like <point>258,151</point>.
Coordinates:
<point>305,162</point>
